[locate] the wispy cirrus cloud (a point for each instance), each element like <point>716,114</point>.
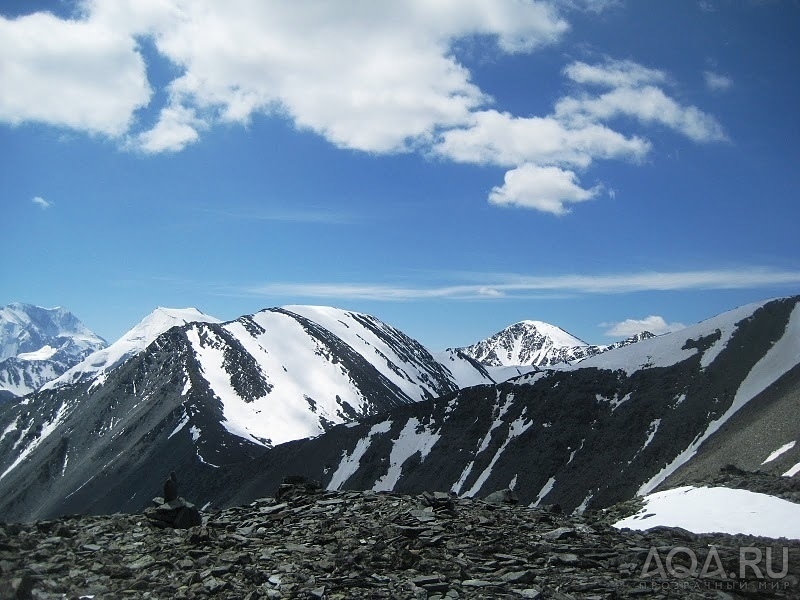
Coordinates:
<point>308,215</point>
<point>493,286</point>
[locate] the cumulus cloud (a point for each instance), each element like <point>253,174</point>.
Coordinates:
<point>502,139</point>
<point>717,82</point>
<point>177,127</point>
<point>377,77</point>
<point>77,74</point>
<point>547,154</point>
<point>41,202</point>
<point>548,189</point>
<point>654,324</point>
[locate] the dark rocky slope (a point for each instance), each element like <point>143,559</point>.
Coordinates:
<point>584,438</point>
<point>751,435</point>
<point>199,396</point>
<point>335,545</point>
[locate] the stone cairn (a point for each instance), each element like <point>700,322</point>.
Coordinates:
<point>307,542</point>
<point>172,510</point>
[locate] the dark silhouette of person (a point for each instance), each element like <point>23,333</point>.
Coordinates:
<point>171,487</point>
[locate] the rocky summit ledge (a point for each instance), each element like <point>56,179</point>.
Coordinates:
<point>310,543</point>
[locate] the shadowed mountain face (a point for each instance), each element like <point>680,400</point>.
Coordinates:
<point>201,395</point>
<point>584,438</point>
<point>211,401</point>
<point>39,344</point>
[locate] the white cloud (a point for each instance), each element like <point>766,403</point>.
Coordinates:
<point>369,76</point>
<point>177,127</point>
<point>654,324</point>
<point>494,285</point>
<point>548,189</point>
<point>717,82</point>
<point>378,77</point>
<point>546,153</point>
<point>648,105</point>
<point>499,138</point>
<point>614,73</point>
<point>75,74</point>
<point>39,201</point>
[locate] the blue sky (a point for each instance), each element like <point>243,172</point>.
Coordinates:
<point>450,167</point>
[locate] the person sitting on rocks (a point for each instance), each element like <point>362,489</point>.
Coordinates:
<point>171,487</point>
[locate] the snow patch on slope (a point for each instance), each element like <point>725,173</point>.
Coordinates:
<point>414,438</point>
<point>517,428</point>
<point>781,358</point>
<point>793,471</point>
<point>47,429</point>
<point>779,451</point>
<point>546,488</point>
<point>42,353</point>
<point>698,510</point>
<point>350,462</point>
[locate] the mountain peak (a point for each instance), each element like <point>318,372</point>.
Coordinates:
<point>38,344</point>
<point>131,343</point>
<point>527,342</point>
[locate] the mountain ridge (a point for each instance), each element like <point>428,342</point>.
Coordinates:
<point>584,435</point>
<point>210,393</point>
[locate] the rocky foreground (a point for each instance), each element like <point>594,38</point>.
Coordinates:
<point>309,543</point>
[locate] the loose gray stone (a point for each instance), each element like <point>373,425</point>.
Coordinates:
<point>356,545</point>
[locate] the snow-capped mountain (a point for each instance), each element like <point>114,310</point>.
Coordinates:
<point>213,401</point>
<point>39,344</point>
<point>203,394</point>
<point>622,423</point>
<point>535,343</point>
<point>96,365</point>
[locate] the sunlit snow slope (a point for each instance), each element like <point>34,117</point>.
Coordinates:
<point>96,365</point>
<point>584,436</point>
<point>183,390</point>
